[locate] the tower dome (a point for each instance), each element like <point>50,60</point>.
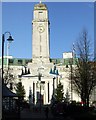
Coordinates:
<point>40,6</point>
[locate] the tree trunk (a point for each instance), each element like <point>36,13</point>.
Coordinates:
<point>88,101</point>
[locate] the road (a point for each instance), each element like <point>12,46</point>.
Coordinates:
<point>29,115</point>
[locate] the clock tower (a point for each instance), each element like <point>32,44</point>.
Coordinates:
<point>39,78</point>
<point>40,34</point>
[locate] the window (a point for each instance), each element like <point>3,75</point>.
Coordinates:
<point>19,61</point>
<point>11,61</point>
<point>27,61</point>
<point>40,15</point>
<point>66,66</point>
<point>40,11</point>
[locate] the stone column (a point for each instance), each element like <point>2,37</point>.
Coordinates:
<point>46,92</point>
<point>30,95</point>
<point>35,94</point>
<point>51,90</point>
<point>55,83</point>
<point>32,91</point>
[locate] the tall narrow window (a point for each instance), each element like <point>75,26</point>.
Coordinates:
<point>40,45</point>
<point>40,15</point>
<point>40,48</point>
<point>40,38</point>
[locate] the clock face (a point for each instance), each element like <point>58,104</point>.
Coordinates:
<point>41,28</point>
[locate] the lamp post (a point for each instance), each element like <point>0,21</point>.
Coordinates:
<point>8,47</point>
<point>3,40</point>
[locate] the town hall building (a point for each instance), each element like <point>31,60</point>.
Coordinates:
<point>45,73</point>
<point>41,83</point>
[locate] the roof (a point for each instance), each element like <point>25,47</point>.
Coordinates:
<point>40,6</point>
<point>7,92</point>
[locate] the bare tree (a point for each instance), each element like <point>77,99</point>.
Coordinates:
<point>84,75</point>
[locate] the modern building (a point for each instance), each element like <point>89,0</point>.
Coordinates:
<point>68,55</point>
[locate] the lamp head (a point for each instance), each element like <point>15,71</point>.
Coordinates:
<point>10,39</point>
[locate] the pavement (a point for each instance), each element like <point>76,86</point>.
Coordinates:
<point>37,114</point>
<point>27,114</point>
<point>33,114</point>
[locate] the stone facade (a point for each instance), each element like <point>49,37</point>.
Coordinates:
<point>40,34</point>
<point>40,84</point>
<point>40,56</point>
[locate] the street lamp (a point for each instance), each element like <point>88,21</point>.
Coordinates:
<point>3,40</point>
<point>8,47</point>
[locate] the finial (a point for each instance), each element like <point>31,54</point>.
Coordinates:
<point>40,1</point>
